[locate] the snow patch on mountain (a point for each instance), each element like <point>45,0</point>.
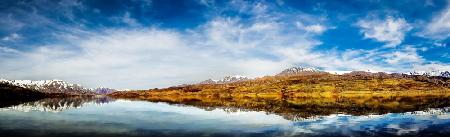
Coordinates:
<point>299,71</point>
<point>227,79</point>
<point>347,72</point>
<point>431,73</point>
<point>49,86</point>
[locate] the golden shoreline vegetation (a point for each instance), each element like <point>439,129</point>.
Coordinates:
<point>311,94</point>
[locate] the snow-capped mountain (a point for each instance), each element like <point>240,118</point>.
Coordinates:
<point>49,86</point>
<point>227,79</point>
<point>431,73</point>
<point>298,70</point>
<point>445,74</point>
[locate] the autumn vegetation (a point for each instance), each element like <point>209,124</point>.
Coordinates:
<point>305,95</point>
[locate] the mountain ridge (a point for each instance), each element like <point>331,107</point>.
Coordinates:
<point>50,86</point>
<point>226,79</point>
<point>60,86</point>
<point>431,73</point>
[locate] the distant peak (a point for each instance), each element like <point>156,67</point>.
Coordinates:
<point>298,70</point>
<point>226,79</point>
<point>431,73</point>
<point>103,90</point>
<point>302,68</point>
<point>48,86</point>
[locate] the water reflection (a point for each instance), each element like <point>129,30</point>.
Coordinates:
<point>428,122</point>
<point>57,104</point>
<point>306,107</point>
<point>142,118</point>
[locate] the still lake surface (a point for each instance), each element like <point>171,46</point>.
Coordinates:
<point>110,117</point>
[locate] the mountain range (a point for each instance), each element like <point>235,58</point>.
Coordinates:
<point>56,86</point>
<point>299,71</point>
<point>312,70</point>
<point>432,73</point>
<point>227,79</point>
<point>59,86</point>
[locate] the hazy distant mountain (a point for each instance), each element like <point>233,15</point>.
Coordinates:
<point>227,79</point>
<point>103,90</point>
<point>49,86</point>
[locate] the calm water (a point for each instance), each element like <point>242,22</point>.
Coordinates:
<point>107,117</point>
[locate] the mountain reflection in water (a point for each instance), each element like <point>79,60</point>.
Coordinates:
<point>108,117</point>
<point>58,104</point>
<point>305,107</point>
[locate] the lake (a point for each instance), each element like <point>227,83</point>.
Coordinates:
<point>103,116</point>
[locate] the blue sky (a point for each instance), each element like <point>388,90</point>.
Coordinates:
<point>159,43</point>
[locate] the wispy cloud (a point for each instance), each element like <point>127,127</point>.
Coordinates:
<point>6,50</point>
<point>406,55</point>
<point>432,66</point>
<point>439,27</point>
<point>314,28</point>
<point>12,37</point>
<point>154,57</point>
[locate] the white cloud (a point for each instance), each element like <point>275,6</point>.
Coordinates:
<point>9,23</point>
<point>12,37</point>
<point>255,8</point>
<point>439,27</point>
<point>207,2</point>
<point>429,3</point>
<point>391,30</point>
<point>406,55</point>
<point>315,28</point>
<point>437,44</point>
<point>148,58</point>
<point>155,57</point>
<point>433,66</point>
<point>6,50</point>
<point>67,7</point>
<point>127,19</point>
<point>446,55</point>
